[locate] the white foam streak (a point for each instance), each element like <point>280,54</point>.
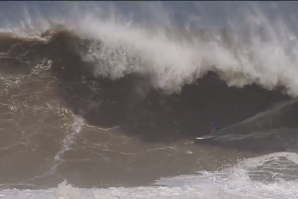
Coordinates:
<point>70,137</point>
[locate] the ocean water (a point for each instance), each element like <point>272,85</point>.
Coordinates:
<point>105,99</point>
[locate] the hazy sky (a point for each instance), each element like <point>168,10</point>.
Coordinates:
<point>205,13</point>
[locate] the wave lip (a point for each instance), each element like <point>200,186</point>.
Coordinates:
<point>172,58</point>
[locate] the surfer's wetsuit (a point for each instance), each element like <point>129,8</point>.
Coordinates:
<point>215,126</point>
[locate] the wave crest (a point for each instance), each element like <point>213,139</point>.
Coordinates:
<point>168,58</point>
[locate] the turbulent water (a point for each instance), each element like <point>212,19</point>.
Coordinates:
<point>109,107</point>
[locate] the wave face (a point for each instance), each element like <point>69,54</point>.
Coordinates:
<point>113,94</point>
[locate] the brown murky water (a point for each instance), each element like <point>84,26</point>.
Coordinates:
<point>42,143</point>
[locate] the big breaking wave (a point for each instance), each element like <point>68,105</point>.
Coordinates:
<point>164,60</point>
<point>264,53</point>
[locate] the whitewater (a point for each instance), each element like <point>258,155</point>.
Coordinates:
<point>226,183</point>
<point>105,99</point>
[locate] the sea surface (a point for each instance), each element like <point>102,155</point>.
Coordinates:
<point>105,100</point>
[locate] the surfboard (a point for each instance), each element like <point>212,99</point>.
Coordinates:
<point>210,137</point>
<point>205,137</point>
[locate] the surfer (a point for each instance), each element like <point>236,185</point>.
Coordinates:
<point>214,126</point>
